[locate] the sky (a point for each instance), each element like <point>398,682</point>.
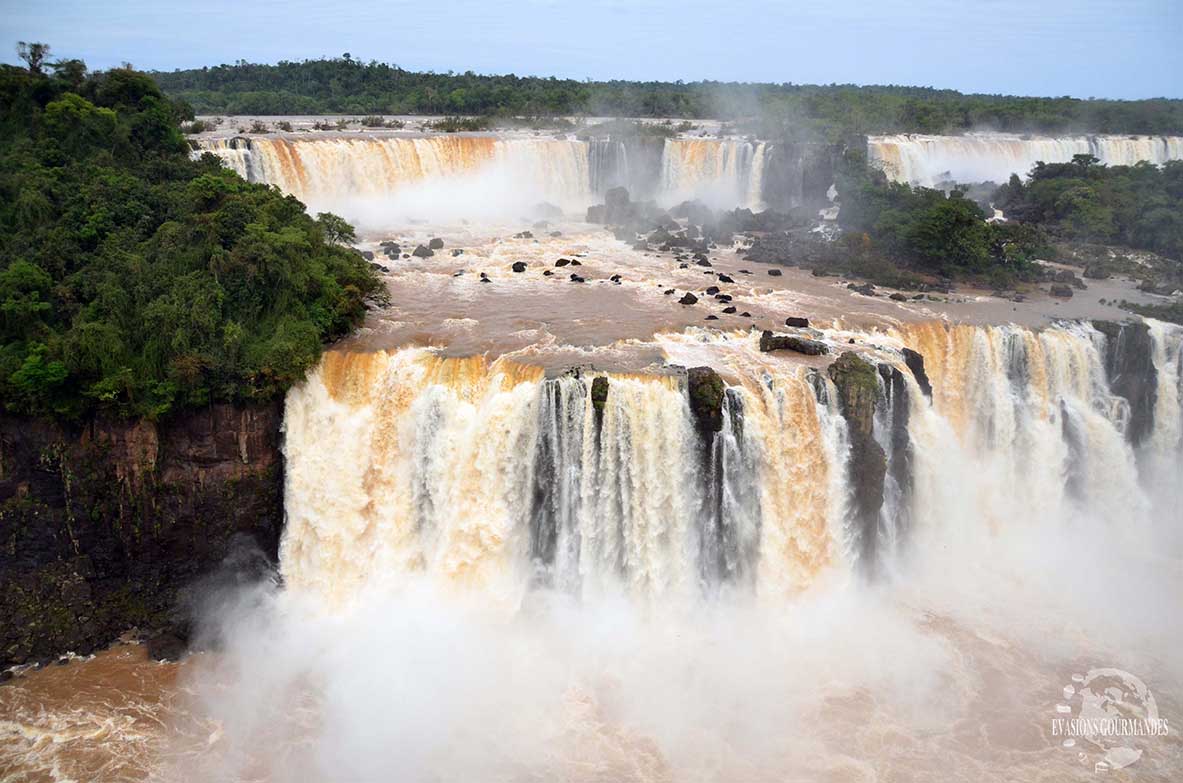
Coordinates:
<point>1103,48</point>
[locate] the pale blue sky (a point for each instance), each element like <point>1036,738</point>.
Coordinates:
<point>1102,48</point>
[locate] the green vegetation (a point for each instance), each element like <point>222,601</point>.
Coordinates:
<point>348,86</point>
<point>460,124</point>
<point>136,281</point>
<point>1172,312</point>
<point>1137,206</point>
<point>929,231</point>
<point>1088,206</point>
<point>895,234</point>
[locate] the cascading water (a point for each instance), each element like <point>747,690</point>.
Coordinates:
<point>492,476</point>
<point>336,171</point>
<point>723,173</point>
<point>418,173</point>
<point>853,568</point>
<point>993,157</point>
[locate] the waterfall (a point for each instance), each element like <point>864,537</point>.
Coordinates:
<point>712,573</point>
<point>487,475</point>
<point>331,172</point>
<point>472,174</point>
<point>993,157</point>
<point>722,173</point>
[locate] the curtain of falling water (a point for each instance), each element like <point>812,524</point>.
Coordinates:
<point>488,476</point>
<point>977,157</point>
<point>573,173</point>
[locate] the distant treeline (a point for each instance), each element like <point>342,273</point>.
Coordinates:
<point>348,86</point>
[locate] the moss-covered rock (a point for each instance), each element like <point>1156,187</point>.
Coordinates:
<point>599,398</point>
<point>599,393</point>
<point>706,390</point>
<point>857,382</point>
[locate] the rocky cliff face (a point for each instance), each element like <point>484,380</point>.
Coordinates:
<point>103,527</point>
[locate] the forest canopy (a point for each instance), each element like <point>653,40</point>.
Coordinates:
<point>136,281</point>
<point>1139,206</point>
<point>931,231</point>
<point>830,112</point>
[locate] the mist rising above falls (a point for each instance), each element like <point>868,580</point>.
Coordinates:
<point>487,176</point>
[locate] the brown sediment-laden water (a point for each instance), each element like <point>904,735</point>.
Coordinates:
<point>529,537</point>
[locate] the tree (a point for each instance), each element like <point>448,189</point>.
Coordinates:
<point>336,229</point>
<point>71,73</point>
<point>33,54</point>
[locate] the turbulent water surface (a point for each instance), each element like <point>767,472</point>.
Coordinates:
<point>515,549</point>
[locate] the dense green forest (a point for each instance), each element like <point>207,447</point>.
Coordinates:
<point>349,86</point>
<point>892,230</point>
<point>1137,206</point>
<point>136,281</point>
<point>931,231</point>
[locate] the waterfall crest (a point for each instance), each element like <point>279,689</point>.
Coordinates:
<point>488,475</point>
<point>992,157</point>
<point>570,173</point>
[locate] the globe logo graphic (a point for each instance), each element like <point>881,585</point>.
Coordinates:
<point>1110,711</point>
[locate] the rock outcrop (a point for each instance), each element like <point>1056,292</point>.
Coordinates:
<point>857,382</point>
<point>1129,365</point>
<point>104,526</point>
<point>599,397</point>
<point>788,342</point>
<point>915,362</point>
<point>706,389</point>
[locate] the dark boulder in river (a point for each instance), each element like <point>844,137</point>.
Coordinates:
<point>436,243</point>
<point>166,647</point>
<point>422,251</point>
<point>787,342</point>
<point>519,266</point>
